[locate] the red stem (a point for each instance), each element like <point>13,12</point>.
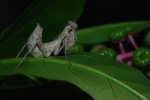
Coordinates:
<point>132,41</point>
<point>120,57</point>
<point>129,63</point>
<point>121,47</point>
<point>100,48</point>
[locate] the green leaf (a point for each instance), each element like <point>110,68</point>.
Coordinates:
<point>98,34</point>
<point>52,15</point>
<point>100,77</point>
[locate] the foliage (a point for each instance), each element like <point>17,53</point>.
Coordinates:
<point>100,77</point>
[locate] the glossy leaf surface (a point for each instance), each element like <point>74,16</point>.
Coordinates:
<point>99,34</point>
<point>102,78</point>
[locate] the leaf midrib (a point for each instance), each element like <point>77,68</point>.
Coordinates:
<point>80,66</point>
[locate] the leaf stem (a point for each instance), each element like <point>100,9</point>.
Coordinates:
<point>120,57</point>
<point>121,47</point>
<point>131,39</point>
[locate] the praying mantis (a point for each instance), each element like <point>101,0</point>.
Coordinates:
<point>37,48</point>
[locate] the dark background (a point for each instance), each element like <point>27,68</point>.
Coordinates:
<point>97,12</point>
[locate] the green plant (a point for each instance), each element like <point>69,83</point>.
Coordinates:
<point>77,48</point>
<point>108,53</point>
<point>97,47</point>
<point>95,74</point>
<point>117,33</point>
<point>147,38</point>
<point>141,57</point>
<point>130,28</point>
<point>101,77</point>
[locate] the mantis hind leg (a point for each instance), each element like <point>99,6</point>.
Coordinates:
<point>21,50</point>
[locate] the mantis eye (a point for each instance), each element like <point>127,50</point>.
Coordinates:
<point>72,24</point>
